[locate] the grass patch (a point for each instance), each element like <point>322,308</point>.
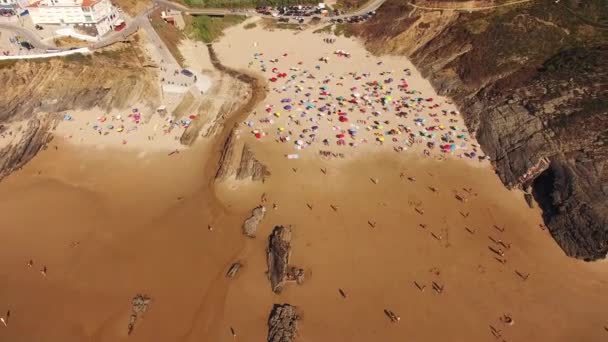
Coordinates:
<point>69,42</point>
<point>271,25</point>
<point>207,29</point>
<point>343,30</point>
<point>324,29</point>
<point>349,5</point>
<point>243,3</point>
<point>250,26</point>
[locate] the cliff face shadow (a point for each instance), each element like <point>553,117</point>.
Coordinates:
<point>542,190</point>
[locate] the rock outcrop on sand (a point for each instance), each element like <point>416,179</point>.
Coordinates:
<point>34,138</point>
<point>529,80</point>
<point>250,226</point>
<point>225,167</point>
<point>283,323</point>
<point>234,269</point>
<point>248,167</point>
<point>139,305</point>
<point>279,252</point>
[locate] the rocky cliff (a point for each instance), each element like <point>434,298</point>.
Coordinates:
<point>113,78</point>
<point>34,91</point>
<point>530,80</point>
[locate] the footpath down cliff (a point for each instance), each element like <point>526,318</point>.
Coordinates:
<point>530,80</point>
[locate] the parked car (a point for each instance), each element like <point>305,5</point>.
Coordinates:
<point>120,26</point>
<point>27,45</point>
<point>187,72</point>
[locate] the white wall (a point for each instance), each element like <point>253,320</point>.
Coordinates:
<point>69,12</point>
<point>83,51</point>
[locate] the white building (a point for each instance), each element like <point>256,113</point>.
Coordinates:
<point>8,4</point>
<point>95,16</point>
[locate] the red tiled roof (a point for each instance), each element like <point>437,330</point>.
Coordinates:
<point>89,3</point>
<point>34,4</point>
<point>85,3</point>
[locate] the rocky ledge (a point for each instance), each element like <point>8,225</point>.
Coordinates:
<point>283,323</point>
<point>530,81</point>
<point>250,226</point>
<point>34,138</point>
<point>279,252</point>
<point>248,166</point>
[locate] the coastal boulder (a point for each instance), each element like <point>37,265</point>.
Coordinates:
<point>34,138</point>
<point>283,323</point>
<point>139,305</point>
<point>250,226</point>
<point>279,252</point>
<point>250,167</point>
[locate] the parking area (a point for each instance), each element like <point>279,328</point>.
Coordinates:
<point>15,45</point>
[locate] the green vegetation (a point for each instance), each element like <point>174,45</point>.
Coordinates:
<point>324,29</point>
<point>270,24</point>
<point>207,29</point>
<point>244,3</point>
<point>347,5</point>
<point>343,30</point>
<point>250,26</point>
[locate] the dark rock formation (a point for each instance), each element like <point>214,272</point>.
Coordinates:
<point>224,165</point>
<point>251,167</point>
<point>250,226</point>
<point>279,251</point>
<point>283,323</point>
<point>33,139</point>
<point>233,270</point>
<point>139,305</point>
<point>529,200</point>
<point>248,166</point>
<point>531,82</point>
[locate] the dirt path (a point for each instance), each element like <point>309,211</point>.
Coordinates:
<point>469,8</point>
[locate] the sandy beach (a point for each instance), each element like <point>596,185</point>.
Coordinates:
<point>107,222</point>
<point>335,96</point>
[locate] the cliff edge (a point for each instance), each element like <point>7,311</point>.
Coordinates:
<point>530,80</point>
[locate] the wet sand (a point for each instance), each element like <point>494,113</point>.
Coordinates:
<point>112,223</point>
<point>133,235</point>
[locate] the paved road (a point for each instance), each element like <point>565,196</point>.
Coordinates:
<point>369,6</point>
<point>469,8</point>
<point>141,20</point>
<point>27,34</point>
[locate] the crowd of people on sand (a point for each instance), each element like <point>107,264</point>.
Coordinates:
<point>122,124</point>
<point>372,108</point>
